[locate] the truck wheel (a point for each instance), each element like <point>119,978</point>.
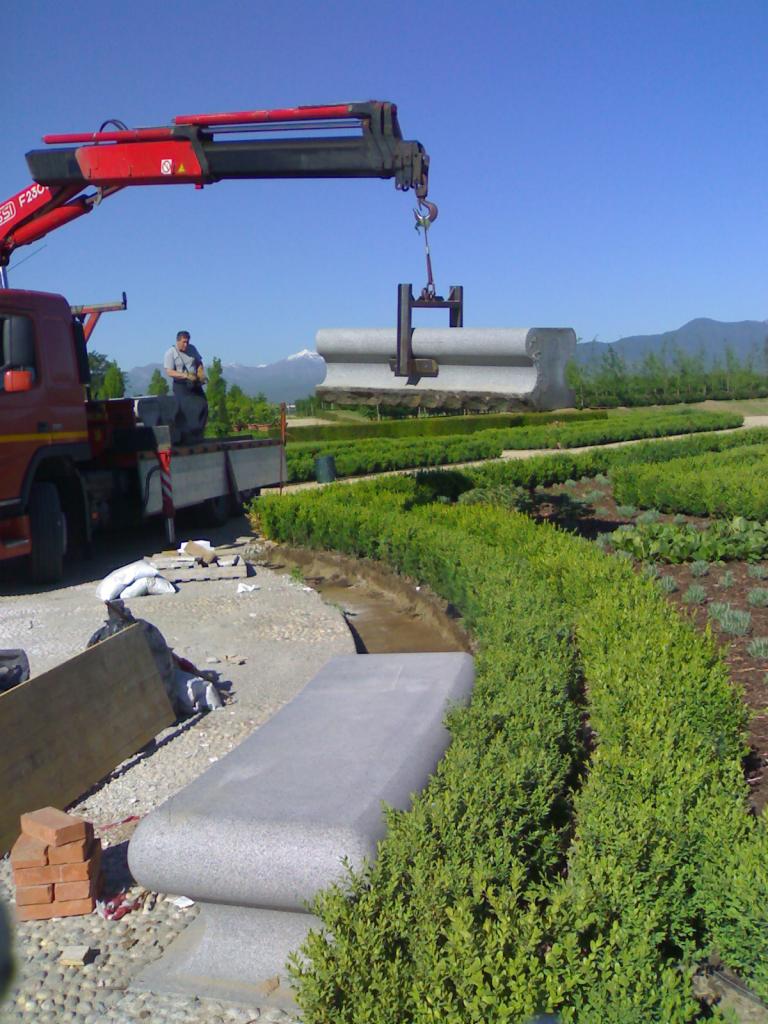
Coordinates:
<point>49,538</point>
<point>217,511</point>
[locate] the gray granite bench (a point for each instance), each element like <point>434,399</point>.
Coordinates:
<point>255,837</point>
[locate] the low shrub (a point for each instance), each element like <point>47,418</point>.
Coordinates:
<point>717,609</point>
<point>358,458</point>
<point>651,515</point>
<point>727,580</point>
<point>699,568</point>
<point>546,470</point>
<point>724,484</point>
<point>592,497</point>
<point>522,882</point>
<point>436,426</point>
<point>758,597</point>
<point>758,647</point>
<point>379,454</point>
<point>735,622</point>
<point>695,594</point>
<point>627,427</point>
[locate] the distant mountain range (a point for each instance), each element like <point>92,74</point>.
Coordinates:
<point>286,380</point>
<point>708,337</point>
<point>297,376</point>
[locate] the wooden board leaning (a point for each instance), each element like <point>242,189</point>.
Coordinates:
<point>63,731</point>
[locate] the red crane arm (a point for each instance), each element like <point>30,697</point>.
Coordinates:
<point>188,152</point>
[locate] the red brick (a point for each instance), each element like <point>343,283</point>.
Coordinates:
<point>85,869</point>
<point>53,827</point>
<point>43,912</point>
<point>75,890</point>
<point>38,876</point>
<point>29,853</point>
<point>61,872</point>
<point>32,895</point>
<point>70,853</point>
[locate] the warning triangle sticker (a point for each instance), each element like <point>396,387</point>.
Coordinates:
<point>182,169</point>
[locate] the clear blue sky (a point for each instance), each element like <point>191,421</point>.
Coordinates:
<point>600,165</point>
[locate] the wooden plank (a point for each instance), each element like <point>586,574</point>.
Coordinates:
<point>188,572</point>
<point>63,731</point>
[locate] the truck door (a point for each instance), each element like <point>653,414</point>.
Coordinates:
<point>41,398</point>
<point>19,438</point>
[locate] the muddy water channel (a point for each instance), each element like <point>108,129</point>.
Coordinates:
<point>385,613</point>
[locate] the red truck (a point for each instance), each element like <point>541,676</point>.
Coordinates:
<point>68,463</point>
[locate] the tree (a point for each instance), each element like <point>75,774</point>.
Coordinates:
<point>576,379</point>
<point>218,413</point>
<point>98,364</point>
<point>610,381</point>
<point>238,407</point>
<point>114,382</point>
<point>158,385</point>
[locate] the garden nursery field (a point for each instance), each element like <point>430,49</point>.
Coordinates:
<point>593,844</point>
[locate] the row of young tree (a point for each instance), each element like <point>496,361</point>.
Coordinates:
<point>107,379</point>
<point>229,408</point>
<point>665,378</point>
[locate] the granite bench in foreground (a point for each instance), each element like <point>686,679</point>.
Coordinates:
<point>255,837</point>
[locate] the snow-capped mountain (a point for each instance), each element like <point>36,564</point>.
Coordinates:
<point>294,377</point>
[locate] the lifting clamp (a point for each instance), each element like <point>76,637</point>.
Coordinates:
<point>405,364</point>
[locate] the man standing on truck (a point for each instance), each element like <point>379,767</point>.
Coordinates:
<point>184,365</point>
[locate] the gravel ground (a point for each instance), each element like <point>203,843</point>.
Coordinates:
<point>284,632</point>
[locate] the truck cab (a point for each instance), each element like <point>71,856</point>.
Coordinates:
<point>43,425</point>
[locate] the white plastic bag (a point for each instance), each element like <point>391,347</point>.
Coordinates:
<point>114,584</point>
<point>136,589</point>
<point>195,694</point>
<point>147,585</point>
<point>160,585</point>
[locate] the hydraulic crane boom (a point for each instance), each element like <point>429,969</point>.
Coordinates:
<point>189,152</point>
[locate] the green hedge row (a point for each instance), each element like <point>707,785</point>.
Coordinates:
<point>357,458</point>
<point>436,426</point>
<point>722,485</point>
<point>481,906</point>
<point>546,470</point>
<point>627,427</point>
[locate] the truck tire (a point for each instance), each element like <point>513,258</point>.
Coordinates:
<point>48,528</point>
<point>217,511</point>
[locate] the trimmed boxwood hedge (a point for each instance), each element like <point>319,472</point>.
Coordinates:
<point>546,867</point>
<point>357,458</point>
<point>631,426</point>
<point>436,426</point>
<point>545,470</point>
<point>722,485</point>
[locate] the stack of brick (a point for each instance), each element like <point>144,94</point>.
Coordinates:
<point>55,865</point>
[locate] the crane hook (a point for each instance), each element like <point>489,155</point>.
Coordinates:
<point>424,220</point>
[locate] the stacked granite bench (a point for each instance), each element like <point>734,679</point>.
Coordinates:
<point>255,837</point>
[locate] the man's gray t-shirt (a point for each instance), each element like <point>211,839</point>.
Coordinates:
<point>182,362</point>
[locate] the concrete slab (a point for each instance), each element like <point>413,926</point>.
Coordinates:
<point>479,367</point>
<point>261,832</point>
